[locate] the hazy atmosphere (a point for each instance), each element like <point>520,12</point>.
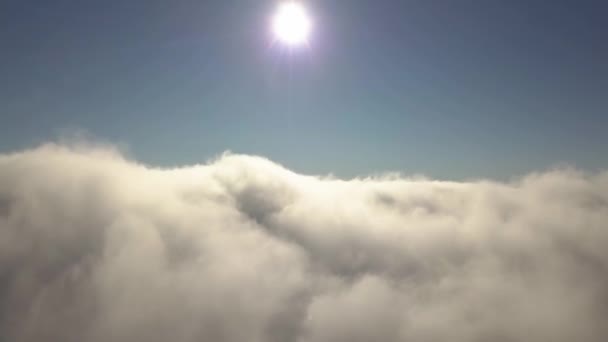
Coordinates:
<point>303,171</point>
<point>450,89</point>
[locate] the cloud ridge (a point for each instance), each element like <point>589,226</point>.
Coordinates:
<point>96,247</point>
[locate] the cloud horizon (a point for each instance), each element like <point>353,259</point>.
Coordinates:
<point>97,247</point>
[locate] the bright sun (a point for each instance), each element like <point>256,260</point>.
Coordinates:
<point>291,24</point>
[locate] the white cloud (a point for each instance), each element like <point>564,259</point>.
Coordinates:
<point>94,247</point>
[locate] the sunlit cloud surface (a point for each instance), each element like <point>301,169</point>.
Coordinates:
<point>96,247</point>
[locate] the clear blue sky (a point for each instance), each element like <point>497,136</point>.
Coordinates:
<point>452,89</point>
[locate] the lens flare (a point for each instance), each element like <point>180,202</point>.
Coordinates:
<point>291,24</point>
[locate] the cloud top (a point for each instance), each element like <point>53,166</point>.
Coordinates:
<point>96,247</point>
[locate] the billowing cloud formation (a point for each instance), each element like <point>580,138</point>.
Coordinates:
<point>94,247</point>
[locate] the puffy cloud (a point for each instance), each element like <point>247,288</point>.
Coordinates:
<point>95,247</point>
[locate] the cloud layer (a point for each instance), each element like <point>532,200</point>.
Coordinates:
<point>95,247</point>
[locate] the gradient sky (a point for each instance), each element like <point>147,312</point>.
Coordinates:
<point>451,89</point>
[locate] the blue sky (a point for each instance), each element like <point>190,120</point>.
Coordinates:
<point>451,89</point>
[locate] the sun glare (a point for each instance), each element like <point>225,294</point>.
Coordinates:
<point>291,24</point>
